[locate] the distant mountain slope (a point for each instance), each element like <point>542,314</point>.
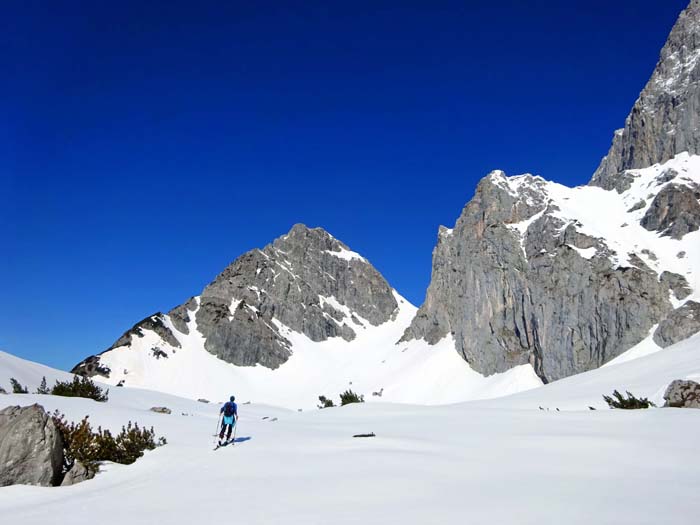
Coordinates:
<point>568,279</point>
<point>536,282</point>
<point>305,316</point>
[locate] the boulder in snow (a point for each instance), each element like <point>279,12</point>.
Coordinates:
<point>31,447</point>
<point>682,394</point>
<point>77,473</point>
<point>161,410</point>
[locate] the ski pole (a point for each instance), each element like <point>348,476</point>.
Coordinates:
<point>216,434</point>
<point>235,428</point>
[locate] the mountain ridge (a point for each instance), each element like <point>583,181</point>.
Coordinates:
<point>536,281</point>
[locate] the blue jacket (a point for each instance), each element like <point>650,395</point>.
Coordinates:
<point>233,407</point>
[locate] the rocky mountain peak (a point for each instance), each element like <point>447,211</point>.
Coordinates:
<point>305,281</point>
<point>665,119</point>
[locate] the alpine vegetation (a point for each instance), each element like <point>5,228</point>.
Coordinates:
<point>90,447</point>
<point>43,389</point>
<point>80,387</point>
<point>17,388</point>
<point>630,402</point>
<point>349,397</point>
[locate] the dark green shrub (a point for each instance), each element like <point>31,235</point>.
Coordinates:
<point>17,388</point>
<point>80,387</point>
<point>43,389</point>
<point>628,403</point>
<point>325,402</point>
<point>90,447</point>
<point>349,396</point>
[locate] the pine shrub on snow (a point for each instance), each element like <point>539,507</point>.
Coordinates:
<point>349,396</point>
<point>89,447</point>
<point>325,402</point>
<point>43,389</point>
<point>17,388</point>
<point>80,387</point>
<point>630,402</point>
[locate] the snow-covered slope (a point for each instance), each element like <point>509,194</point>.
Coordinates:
<point>645,376</point>
<point>370,363</point>
<point>616,218</point>
<point>597,228</point>
<point>567,279</point>
<point>478,462</point>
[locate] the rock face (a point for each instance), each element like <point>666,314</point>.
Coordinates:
<point>515,283</point>
<point>674,211</point>
<point>665,119</point>
<point>529,275</point>
<point>31,448</point>
<point>682,394</point>
<point>677,284</point>
<point>306,281</point>
<point>532,273</point>
<point>680,324</point>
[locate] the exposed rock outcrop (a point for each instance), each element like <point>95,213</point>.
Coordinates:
<point>677,284</point>
<point>31,447</point>
<point>675,211</point>
<point>682,394</point>
<point>680,324</point>
<point>665,119</point>
<point>154,323</point>
<point>518,281</point>
<point>514,284</point>
<point>306,281</point>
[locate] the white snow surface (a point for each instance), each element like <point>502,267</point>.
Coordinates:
<point>499,461</point>
<point>347,255</point>
<point>646,375</point>
<point>605,215</point>
<point>413,372</point>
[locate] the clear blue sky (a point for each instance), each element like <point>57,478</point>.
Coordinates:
<point>146,145</point>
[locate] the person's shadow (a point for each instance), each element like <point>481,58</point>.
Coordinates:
<point>242,439</point>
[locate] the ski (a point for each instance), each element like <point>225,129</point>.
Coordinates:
<point>225,444</point>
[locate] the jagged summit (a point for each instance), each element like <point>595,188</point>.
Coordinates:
<point>665,119</point>
<point>306,281</point>
<point>566,279</point>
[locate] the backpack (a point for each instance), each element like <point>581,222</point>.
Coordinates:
<point>229,409</point>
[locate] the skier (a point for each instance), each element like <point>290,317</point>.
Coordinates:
<point>230,413</point>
